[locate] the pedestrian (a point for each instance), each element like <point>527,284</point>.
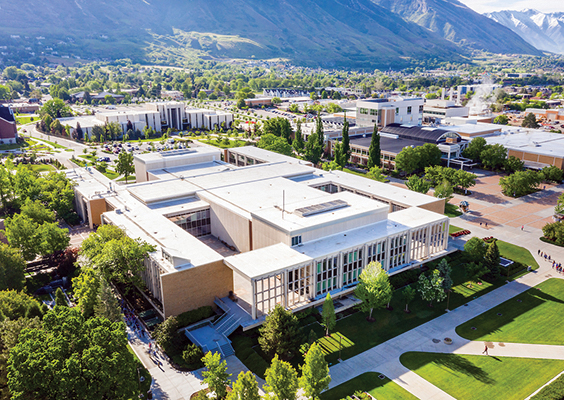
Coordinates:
<point>542,253</point>
<point>549,258</point>
<point>538,252</point>
<point>522,227</point>
<point>485,350</point>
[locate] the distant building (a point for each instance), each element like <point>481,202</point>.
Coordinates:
<point>556,114</point>
<point>257,102</point>
<point>279,92</point>
<point>384,112</point>
<point>435,111</point>
<point>101,96</point>
<point>8,129</point>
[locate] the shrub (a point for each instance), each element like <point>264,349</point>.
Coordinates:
<point>191,317</point>
<point>405,278</point>
<point>193,354</point>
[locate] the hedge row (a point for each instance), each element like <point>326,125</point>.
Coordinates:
<point>191,317</point>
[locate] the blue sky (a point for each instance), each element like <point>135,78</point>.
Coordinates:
<point>483,6</point>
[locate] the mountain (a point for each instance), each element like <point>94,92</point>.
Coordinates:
<point>349,33</point>
<point>542,30</point>
<point>459,24</point>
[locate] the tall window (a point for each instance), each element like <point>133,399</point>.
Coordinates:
<point>398,248</point>
<point>352,266</point>
<point>377,252</point>
<point>300,285</point>
<point>327,275</point>
<point>196,223</point>
<point>269,291</point>
<point>296,240</point>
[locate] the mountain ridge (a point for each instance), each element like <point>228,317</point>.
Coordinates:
<point>542,30</point>
<point>351,33</point>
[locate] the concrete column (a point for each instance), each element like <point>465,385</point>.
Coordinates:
<point>427,240</point>
<point>285,294</point>
<point>340,274</point>
<point>254,300</point>
<point>387,253</point>
<point>408,247</point>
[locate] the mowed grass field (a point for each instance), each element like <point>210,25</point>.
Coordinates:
<point>470,377</point>
<point>381,389</point>
<point>534,316</point>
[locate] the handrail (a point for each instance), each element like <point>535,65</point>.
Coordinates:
<point>218,327</point>
<point>222,304</point>
<point>228,331</point>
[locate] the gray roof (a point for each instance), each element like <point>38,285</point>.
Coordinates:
<point>387,144</point>
<point>424,134</point>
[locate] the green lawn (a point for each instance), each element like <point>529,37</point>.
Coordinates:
<point>21,120</point>
<point>144,386</point>
<point>554,391</point>
<point>55,145</point>
<point>452,211</point>
<point>42,167</point>
<point>453,229</point>
<point>110,174</point>
<point>381,389</point>
<point>130,179</point>
<point>516,253</point>
<point>222,145</point>
<point>531,320</point>
<point>482,377</point>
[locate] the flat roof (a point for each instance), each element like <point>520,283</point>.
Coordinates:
<point>176,154</point>
<point>530,141</point>
<point>479,127</point>
<point>267,156</point>
<point>191,170</point>
<point>386,143</point>
<point>266,261</point>
<point>157,191</point>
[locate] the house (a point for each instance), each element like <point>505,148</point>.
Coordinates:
<point>8,129</point>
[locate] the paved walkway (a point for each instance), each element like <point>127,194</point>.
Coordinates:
<point>384,358</point>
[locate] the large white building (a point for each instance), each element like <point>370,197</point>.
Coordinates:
<point>437,110</point>
<point>389,111</point>
<point>270,229</point>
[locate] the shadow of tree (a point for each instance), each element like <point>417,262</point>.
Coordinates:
<point>452,362</point>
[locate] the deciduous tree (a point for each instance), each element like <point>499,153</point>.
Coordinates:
<point>245,388</point>
<point>408,294</point>
<point>418,184</point>
<point>12,268</point>
<point>431,288</point>
<point>86,288</point>
<point>373,289</point>
<point>215,374</point>
<point>281,380</point>
<point>328,315</point>
<point>315,373</point>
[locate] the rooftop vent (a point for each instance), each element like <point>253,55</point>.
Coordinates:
<point>320,208</point>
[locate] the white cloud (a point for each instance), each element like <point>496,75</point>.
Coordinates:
<point>483,6</point>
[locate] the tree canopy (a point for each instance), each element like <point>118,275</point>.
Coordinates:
<point>273,143</point>
<point>373,289</point>
<point>280,334</point>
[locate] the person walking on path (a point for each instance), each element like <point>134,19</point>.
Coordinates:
<point>485,350</point>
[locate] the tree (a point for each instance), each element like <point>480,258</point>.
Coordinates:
<point>21,233</point>
<point>431,288</point>
<point>241,104</point>
<point>278,127</point>
<point>530,121</point>
<point>340,156</point>
<point>444,191</point>
<point>475,248</point>
<point>494,156</point>
<point>124,165</point>
<point>165,334</point>
<point>346,142</point>
<point>245,388</point>
<point>215,375</point>
<point>15,305</point>
<point>86,287</point>
<point>407,161</point>
<point>281,380</point>
<point>319,131</point>
<point>417,184</point>
<point>55,108</point>
<point>107,305</point>
<point>373,289</point>
<point>374,152</point>
<point>464,179</point>
<point>273,143</point>
<point>12,268</point>
<point>328,315</point>
<point>513,164</point>
<point>52,239</point>
<point>313,149</point>
<point>445,271</point>
<point>408,294</point>
<point>98,132</point>
<point>298,143</point>
<point>492,259</point>
<point>475,271</point>
<point>60,299</point>
<point>119,257</point>
<point>475,148</point>
<point>315,373</point>
<point>501,119</point>
<point>428,154</point>
<point>520,183</point>
<point>280,334</point>
<point>553,174</point>
<point>559,209</point>
<point>376,174</point>
<point>75,358</point>
<point>79,131</point>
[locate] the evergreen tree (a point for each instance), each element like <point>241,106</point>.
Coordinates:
<point>216,375</point>
<point>280,334</point>
<point>281,380</point>
<point>319,131</point>
<point>79,132</point>
<point>245,388</point>
<point>298,143</point>
<point>107,305</point>
<point>328,314</point>
<point>315,373</point>
<point>340,156</point>
<point>374,150</point>
<point>346,142</point>
<point>492,259</point>
<point>313,149</point>
<point>60,299</point>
